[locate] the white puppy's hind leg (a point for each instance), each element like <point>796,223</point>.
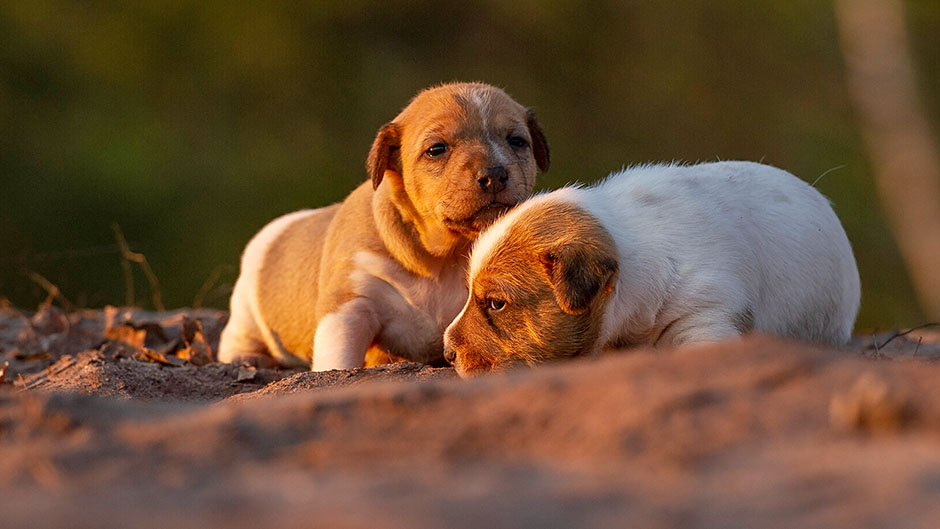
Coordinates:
<point>342,337</point>
<point>700,328</point>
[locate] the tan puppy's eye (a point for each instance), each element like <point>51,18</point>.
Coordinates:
<point>436,150</point>
<point>518,142</point>
<point>496,305</point>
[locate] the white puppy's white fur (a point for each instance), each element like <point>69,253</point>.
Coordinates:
<point>705,249</point>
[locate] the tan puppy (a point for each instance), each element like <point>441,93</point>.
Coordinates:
<point>386,268</point>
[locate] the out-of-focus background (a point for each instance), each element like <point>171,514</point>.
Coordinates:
<point>190,124</point>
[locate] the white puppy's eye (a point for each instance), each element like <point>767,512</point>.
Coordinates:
<point>518,141</point>
<point>496,305</point>
<point>436,150</point>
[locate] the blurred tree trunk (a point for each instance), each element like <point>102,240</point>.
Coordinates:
<point>882,84</point>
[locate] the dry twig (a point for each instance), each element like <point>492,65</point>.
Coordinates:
<point>139,258</point>
<point>899,334</point>
<point>207,287</point>
<point>53,292</point>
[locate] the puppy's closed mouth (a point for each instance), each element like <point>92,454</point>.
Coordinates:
<point>482,218</point>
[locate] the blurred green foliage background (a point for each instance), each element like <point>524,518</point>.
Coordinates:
<point>191,124</point>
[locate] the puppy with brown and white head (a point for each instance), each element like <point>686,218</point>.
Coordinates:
<point>657,255</point>
<point>385,270</point>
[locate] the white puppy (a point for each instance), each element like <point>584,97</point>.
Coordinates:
<point>657,255</point>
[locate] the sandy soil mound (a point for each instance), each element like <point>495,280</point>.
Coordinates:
<point>104,428</point>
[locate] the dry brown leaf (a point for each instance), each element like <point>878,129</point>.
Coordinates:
<point>3,372</point>
<point>30,356</point>
<point>197,349</point>
<point>149,355</point>
<point>194,356</point>
<point>127,334</point>
<point>190,328</point>
<point>119,326</point>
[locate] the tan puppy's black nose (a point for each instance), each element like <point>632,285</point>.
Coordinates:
<point>450,355</point>
<point>494,180</point>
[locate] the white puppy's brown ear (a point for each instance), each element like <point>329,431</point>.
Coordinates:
<point>578,273</point>
<point>539,143</point>
<point>385,153</point>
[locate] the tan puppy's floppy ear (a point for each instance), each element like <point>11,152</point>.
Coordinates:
<point>578,273</point>
<point>385,153</point>
<point>539,143</point>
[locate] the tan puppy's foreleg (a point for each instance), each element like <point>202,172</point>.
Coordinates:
<point>407,334</point>
<point>405,330</point>
<point>343,337</point>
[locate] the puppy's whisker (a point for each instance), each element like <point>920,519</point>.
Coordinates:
<point>820,177</point>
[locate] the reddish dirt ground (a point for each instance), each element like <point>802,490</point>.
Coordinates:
<point>120,418</point>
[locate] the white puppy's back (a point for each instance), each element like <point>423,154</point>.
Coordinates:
<point>740,242</point>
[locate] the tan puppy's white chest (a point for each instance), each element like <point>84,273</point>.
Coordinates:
<point>414,311</point>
